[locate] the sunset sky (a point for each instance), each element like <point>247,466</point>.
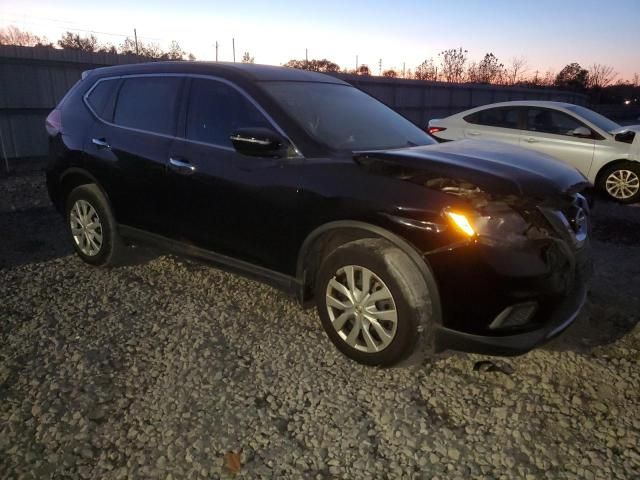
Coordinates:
<point>548,33</point>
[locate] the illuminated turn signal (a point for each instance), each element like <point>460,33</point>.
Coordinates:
<point>461,222</point>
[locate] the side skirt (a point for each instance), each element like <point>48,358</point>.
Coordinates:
<point>288,284</point>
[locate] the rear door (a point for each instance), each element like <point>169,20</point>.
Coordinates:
<point>130,145</point>
<point>502,124</point>
<point>550,131</point>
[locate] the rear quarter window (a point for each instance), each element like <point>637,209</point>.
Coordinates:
<point>101,98</point>
<point>149,104</point>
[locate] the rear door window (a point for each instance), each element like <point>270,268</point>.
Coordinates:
<point>551,121</point>
<point>496,117</point>
<point>102,97</point>
<point>149,104</point>
<point>216,110</point>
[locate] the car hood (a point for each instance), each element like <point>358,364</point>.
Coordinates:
<point>496,168</point>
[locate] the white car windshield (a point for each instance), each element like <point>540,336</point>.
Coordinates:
<point>598,120</point>
<point>344,118</point>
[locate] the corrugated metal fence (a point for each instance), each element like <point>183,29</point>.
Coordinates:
<point>33,80</point>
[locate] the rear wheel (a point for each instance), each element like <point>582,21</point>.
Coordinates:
<point>92,227</point>
<point>372,300</point>
<point>621,182</point>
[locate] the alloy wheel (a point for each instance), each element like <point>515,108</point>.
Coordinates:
<point>361,309</point>
<point>622,184</point>
<point>86,228</point>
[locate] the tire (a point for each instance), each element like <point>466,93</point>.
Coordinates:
<point>397,284</point>
<point>98,242</point>
<point>621,182</point>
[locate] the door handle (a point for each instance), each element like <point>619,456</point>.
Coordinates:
<point>473,134</point>
<point>531,140</point>
<point>101,143</point>
<point>181,166</point>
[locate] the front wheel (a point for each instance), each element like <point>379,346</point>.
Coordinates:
<point>373,301</point>
<point>621,182</point>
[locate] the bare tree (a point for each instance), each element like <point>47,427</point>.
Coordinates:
<point>636,80</point>
<point>600,76</point>
<point>175,51</point>
<point>363,70</point>
<point>548,79</point>
<point>516,69</point>
<point>247,58</point>
<point>390,73</point>
<point>314,65</point>
<point>453,63</point>
<point>153,50</point>
<point>488,70</point>
<point>73,41</point>
<point>12,35</point>
<point>426,71</point>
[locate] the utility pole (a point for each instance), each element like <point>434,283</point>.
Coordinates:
<point>233,43</point>
<point>380,67</point>
<point>404,70</point>
<point>356,63</point>
<point>216,50</point>
<point>135,36</point>
<point>306,55</point>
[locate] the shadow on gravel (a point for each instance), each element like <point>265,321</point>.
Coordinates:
<point>30,236</point>
<point>38,234</point>
<point>617,230</point>
<point>599,324</point>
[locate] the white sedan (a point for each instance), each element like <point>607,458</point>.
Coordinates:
<point>606,153</point>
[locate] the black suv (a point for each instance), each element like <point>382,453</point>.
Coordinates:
<point>303,181</point>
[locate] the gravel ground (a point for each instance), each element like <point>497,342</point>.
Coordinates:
<point>174,369</point>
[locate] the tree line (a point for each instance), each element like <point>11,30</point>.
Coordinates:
<point>455,67</point>
<point>452,65</point>
<point>89,43</point>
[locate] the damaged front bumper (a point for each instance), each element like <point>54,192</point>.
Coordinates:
<point>509,344</point>
<point>502,300</point>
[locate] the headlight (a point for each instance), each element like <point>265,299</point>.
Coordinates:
<point>461,222</point>
<point>497,224</point>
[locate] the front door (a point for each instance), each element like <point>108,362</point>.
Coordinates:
<point>550,131</point>
<point>240,206</point>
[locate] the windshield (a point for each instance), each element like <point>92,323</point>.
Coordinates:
<point>598,120</point>
<point>344,118</point>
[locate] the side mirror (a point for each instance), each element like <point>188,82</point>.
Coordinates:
<point>259,142</point>
<point>582,132</point>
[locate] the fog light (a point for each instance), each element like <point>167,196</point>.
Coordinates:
<point>515,315</point>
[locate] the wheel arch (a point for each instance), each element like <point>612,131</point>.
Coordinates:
<point>71,178</point>
<point>604,168</point>
<point>326,238</point>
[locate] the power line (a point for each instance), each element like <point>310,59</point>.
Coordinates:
<point>43,21</point>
